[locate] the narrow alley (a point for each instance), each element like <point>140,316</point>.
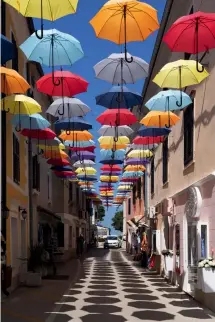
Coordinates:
<point>111,288</point>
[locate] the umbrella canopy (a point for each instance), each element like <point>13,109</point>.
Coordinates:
<point>192,34</point>
<point>115,69</point>
<point>113,117</point>
<point>167,101</point>
<point>87,170</point>
<point>162,119</point>
<point>114,146</point>
<point>110,173</point>
<point>107,130</point>
<point>140,154</point>
<point>153,131</point>
<point>119,154</point>
<point>32,122</point>
<point>58,162</point>
<point>122,21</point>
<point>135,168</point>
<point>69,84</point>
<point>111,161</point>
<point>119,97</point>
<point>110,168</point>
<point>55,154</point>
<point>82,155</point>
<point>128,174</point>
<point>148,140</point>
<point>61,168</point>
<point>72,124</point>
<point>67,107</point>
<point>7,50</point>
<point>136,161</point>
<point>110,140</point>
<point>54,49</point>
<point>12,82</point>
<point>109,178</point>
<point>76,136</point>
<point>87,148</point>
<point>20,104</point>
<point>80,144</point>
<point>87,163</point>
<point>46,134</point>
<point>143,146</point>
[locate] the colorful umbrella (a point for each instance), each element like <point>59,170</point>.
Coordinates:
<point>46,134</point>
<point>153,131</point>
<point>87,163</point>
<point>20,104</point>
<point>58,162</point>
<point>55,154</point>
<point>87,148</point>
<point>140,154</point>
<point>12,82</point>
<point>148,140</point>
<point>167,101</point>
<point>192,34</point>
<point>82,155</point>
<point>122,21</point>
<point>109,178</point>
<point>61,168</point>
<point>116,70</point>
<point>69,106</point>
<point>156,118</point>
<point>123,130</point>
<point>113,146</point>
<point>114,118</point>
<point>72,124</point>
<point>179,74</point>
<point>32,122</point>
<point>110,168</point>
<point>111,161</point>
<point>71,84</point>
<point>136,161</point>
<point>7,50</point>
<point>143,146</point>
<point>119,97</point>
<point>106,154</point>
<point>76,136</point>
<point>110,140</point>
<point>135,168</point>
<point>51,11</point>
<point>87,170</point>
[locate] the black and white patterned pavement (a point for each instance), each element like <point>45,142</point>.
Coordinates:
<point>112,289</point>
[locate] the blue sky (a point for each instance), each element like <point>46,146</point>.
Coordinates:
<point>96,49</point>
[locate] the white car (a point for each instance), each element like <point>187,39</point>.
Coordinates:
<point>113,241</point>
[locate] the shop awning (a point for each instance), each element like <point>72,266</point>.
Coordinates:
<point>131,224</point>
<point>139,221</point>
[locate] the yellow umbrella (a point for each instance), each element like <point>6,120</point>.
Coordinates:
<point>113,146</point>
<point>49,148</point>
<point>179,74</point>
<point>20,104</point>
<point>88,170</point>
<point>160,119</point>
<point>124,188</point>
<point>140,154</point>
<point>44,9</point>
<point>109,178</point>
<point>12,82</point>
<point>109,140</point>
<point>122,21</point>
<point>135,168</point>
<point>76,136</point>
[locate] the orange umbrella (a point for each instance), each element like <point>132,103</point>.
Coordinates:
<point>12,82</point>
<point>76,136</point>
<point>51,154</point>
<point>160,119</point>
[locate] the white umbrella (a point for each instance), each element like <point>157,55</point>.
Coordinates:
<point>115,67</point>
<point>107,130</point>
<point>69,107</point>
<point>143,146</point>
<point>86,163</point>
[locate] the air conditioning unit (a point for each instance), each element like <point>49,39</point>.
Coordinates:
<point>151,212</point>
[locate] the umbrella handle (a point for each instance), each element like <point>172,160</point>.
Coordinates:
<point>41,20</point>
<point>197,65</point>
<point>18,128</point>
<point>57,83</point>
<point>61,113</point>
<point>126,57</point>
<point>40,152</point>
<point>67,132</point>
<point>179,103</point>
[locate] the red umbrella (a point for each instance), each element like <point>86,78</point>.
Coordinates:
<point>59,162</point>
<point>129,179</point>
<point>192,34</point>
<point>67,84</point>
<point>148,140</point>
<point>86,148</point>
<point>46,134</point>
<point>115,117</point>
<point>110,168</point>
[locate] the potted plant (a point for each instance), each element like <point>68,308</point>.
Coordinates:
<point>35,264</point>
<point>168,259</point>
<point>206,275</point>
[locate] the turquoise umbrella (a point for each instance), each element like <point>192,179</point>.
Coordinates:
<point>128,174</point>
<point>80,144</point>
<point>33,122</point>
<point>167,101</point>
<point>54,49</point>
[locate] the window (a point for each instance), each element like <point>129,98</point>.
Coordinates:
<point>165,160</point>
<point>188,134</point>
<point>204,238</point>
<point>15,60</point>
<point>139,188</point>
<point>134,194</point>
<point>36,173</point>
<point>129,206</point>
<point>152,176</point>
<point>16,160</point>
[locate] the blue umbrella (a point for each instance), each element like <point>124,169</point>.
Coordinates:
<point>119,97</point>
<point>63,168</point>
<point>128,174</point>
<point>111,161</point>
<point>54,49</point>
<point>80,144</point>
<point>167,101</point>
<point>7,50</point>
<point>83,178</point>
<point>82,155</point>
<point>109,154</point>
<point>72,124</point>
<point>153,131</point>
<point>31,122</point>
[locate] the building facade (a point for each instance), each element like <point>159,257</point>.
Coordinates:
<point>182,181</point>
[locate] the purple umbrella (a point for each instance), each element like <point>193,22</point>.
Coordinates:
<point>136,161</point>
<point>82,155</point>
<point>113,173</point>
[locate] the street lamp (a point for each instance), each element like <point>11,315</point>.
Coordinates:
<point>23,212</point>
